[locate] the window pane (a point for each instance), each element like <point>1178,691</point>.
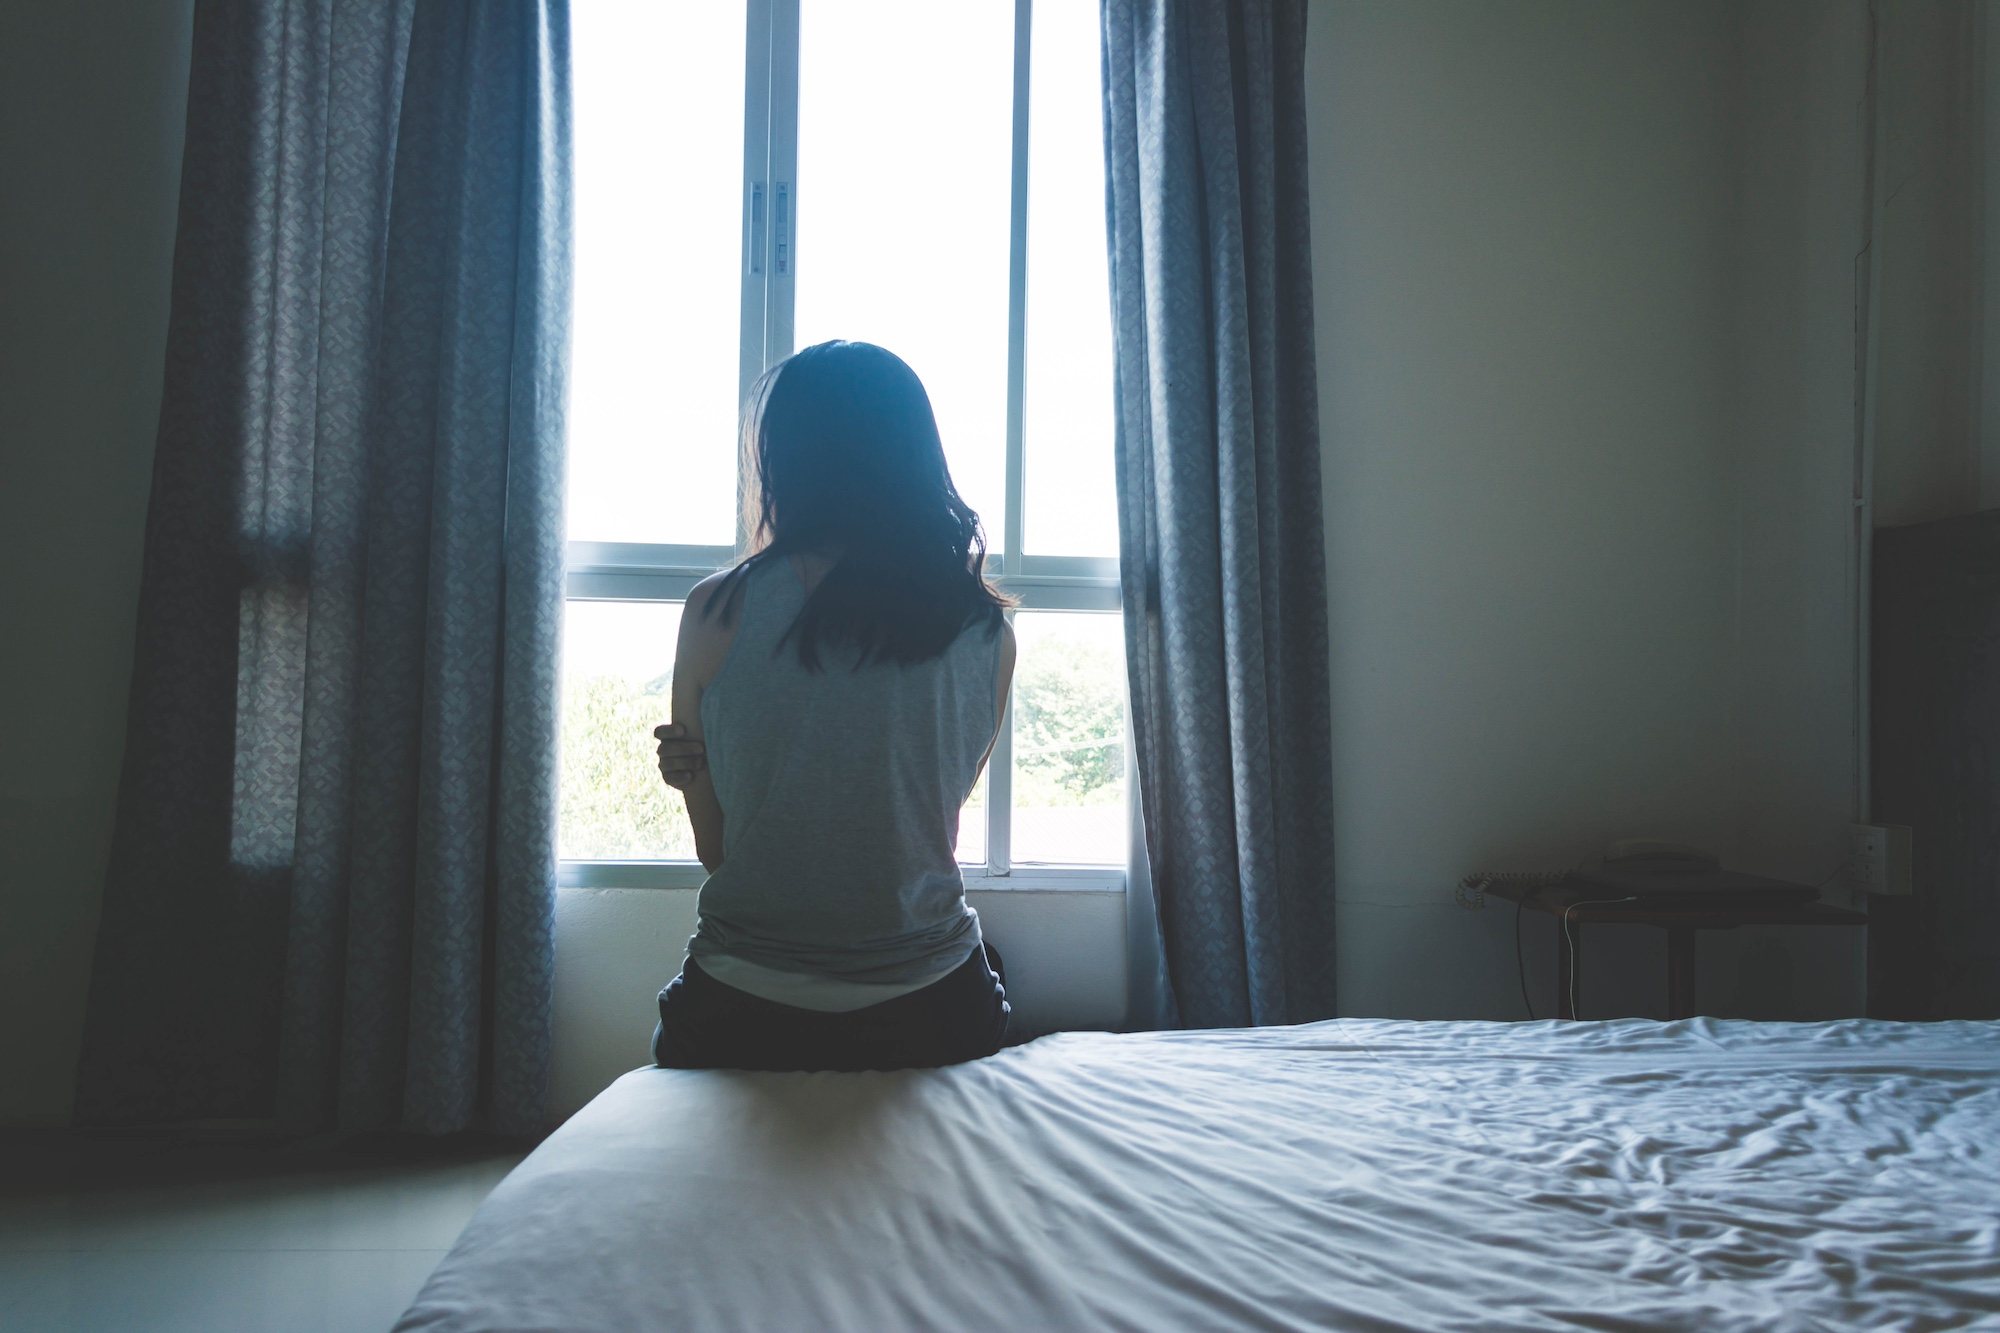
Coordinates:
<point>1069,739</point>
<point>1070,507</point>
<point>905,160</point>
<point>659,172</point>
<point>972,827</point>
<point>618,671</point>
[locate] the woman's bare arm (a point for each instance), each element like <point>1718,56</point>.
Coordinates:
<point>1006,683</point>
<point>704,643</point>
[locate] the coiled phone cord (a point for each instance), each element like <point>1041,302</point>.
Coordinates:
<point>1471,894</point>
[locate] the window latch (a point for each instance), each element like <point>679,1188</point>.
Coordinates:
<point>757,229</point>
<point>781,220</point>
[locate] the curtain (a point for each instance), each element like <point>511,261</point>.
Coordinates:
<point>330,896</point>
<point>1219,500</point>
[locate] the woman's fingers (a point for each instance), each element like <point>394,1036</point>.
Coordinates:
<point>673,741</point>
<point>681,760</point>
<point>681,770</point>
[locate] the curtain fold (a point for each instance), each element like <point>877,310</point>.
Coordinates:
<point>330,897</point>
<point>1219,499</point>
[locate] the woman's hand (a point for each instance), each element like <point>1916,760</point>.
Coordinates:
<point>682,761</point>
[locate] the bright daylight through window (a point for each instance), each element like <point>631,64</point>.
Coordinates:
<point>754,177</point>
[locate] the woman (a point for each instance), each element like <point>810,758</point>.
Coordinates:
<point>835,698</point>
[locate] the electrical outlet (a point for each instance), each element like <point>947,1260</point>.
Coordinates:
<point>1878,858</point>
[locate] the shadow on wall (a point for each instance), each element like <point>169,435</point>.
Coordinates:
<point>93,99</point>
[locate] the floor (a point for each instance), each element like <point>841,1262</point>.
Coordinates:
<point>167,1234</point>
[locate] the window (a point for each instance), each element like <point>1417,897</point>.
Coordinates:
<point>761,175</point>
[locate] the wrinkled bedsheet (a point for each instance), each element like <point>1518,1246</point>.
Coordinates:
<point>1355,1174</point>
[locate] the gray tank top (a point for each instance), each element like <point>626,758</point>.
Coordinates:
<point>840,793</point>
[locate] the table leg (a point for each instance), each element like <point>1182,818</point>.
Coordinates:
<point>1680,972</point>
<point>1569,960</point>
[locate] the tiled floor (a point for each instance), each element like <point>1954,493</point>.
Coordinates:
<point>161,1236</point>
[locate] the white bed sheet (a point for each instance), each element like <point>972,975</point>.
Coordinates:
<point>1356,1174</point>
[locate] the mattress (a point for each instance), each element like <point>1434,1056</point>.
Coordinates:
<point>1355,1174</point>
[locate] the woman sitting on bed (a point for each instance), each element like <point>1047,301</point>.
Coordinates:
<point>835,697</point>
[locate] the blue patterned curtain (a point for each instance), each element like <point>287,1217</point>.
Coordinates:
<point>332,876</point>
<point>1219,500</point>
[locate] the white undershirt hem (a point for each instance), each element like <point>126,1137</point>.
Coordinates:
<point>811,990</point>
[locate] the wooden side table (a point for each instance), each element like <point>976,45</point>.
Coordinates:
<point>1712,912</point>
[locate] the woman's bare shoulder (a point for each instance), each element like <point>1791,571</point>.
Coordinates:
<point>703,593</point>
<point>707,630</point>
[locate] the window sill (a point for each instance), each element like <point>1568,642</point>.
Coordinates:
<point>689,875</point>
<point>1049,879</point>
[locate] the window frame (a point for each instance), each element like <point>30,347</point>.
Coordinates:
<point>643,572</point>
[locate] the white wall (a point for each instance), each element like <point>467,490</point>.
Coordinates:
<point>1528,224</point>
<point>1930,291</point>
<point>92,98</point>
<point>1801,194</point>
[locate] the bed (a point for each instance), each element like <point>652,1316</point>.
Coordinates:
<point>1354,1174</point>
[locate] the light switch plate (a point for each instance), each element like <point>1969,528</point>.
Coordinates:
<point>1878,858</point>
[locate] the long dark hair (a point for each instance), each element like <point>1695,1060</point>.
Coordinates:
<point>841,451</point>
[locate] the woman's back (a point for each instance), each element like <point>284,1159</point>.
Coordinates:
<point>840,791</point>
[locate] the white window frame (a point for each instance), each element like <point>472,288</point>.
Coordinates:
<point>640,572</point>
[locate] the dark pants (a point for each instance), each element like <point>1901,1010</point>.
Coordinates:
<point>705,1024</point>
